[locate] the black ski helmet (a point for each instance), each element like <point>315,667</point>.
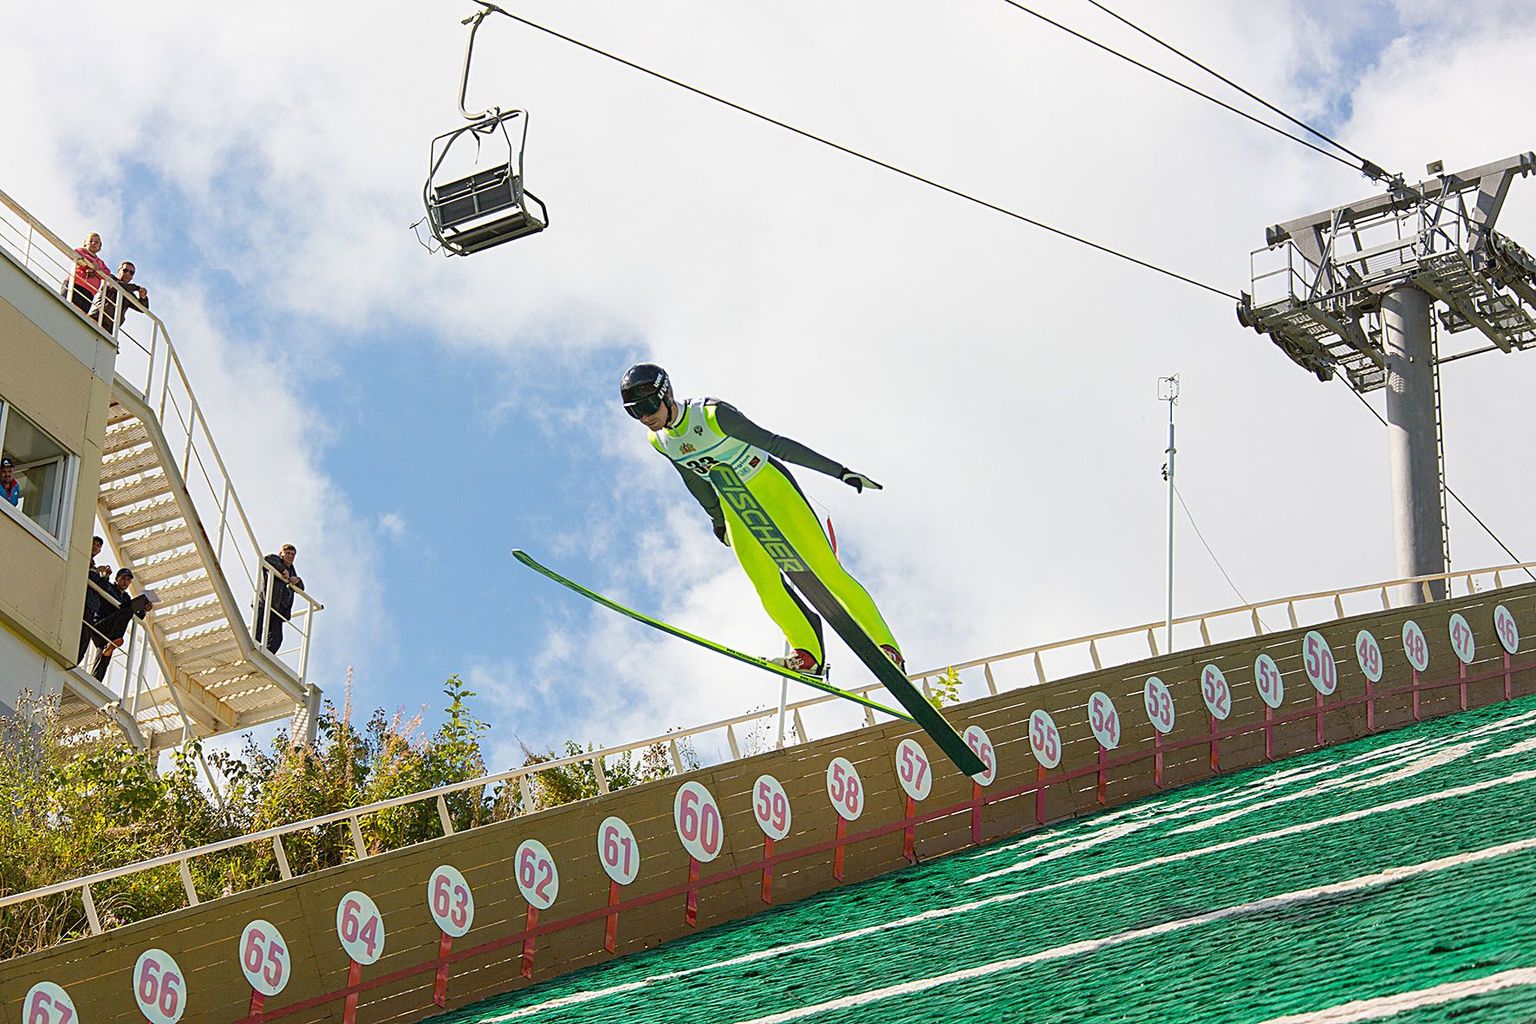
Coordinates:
<point>644,387</point>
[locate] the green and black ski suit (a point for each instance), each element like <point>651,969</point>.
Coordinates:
<point>710,433</point>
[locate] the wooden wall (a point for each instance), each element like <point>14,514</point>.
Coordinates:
<point>98,973</point>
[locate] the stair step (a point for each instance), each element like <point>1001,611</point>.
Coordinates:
<point>124,495</point>
<point>129,436</point>
<point>224,675</point>
<point>116,413</point>
<point>159,513</point>
<point>183,592</point>
<point>190,617</point>
<point>155,542</point>
<point>161,569</point>
<point>130,463</point>
<point>208,648</point>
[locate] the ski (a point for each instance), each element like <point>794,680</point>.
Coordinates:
<point>922,713</point>
<point>730,652</point>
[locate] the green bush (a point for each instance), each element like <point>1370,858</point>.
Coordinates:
<point>76,804</point>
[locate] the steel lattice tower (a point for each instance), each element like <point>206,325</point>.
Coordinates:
<point>1360,290</point>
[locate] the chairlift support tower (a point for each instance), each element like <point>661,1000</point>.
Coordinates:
<point>1361,291</point>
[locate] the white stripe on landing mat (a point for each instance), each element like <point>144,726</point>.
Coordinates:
<point>938,913</point>
<point>1390,1006</point>
<point>1280,833</point>
<point>1088,946</point>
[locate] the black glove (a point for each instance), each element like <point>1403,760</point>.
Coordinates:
<point>858,481</point>
<point>720,534</point>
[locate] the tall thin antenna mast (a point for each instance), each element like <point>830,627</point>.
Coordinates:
<point>1168,391</point>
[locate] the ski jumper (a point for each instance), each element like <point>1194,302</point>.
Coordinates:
<point>713,435</point>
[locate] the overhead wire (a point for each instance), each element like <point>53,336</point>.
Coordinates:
<point>857,154</point>
<point>1220,568</point>
<point>1182,85</point>
<point>1369,168</point>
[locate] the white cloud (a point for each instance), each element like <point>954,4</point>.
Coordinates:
<point>999,381</point>
<point>392,525</point>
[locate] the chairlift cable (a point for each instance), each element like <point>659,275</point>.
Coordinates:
<point>849,151</point>
<point>1368,171</point>
<point>1366,166</point>
<point>1464,506</point>
<point>1221,568</point>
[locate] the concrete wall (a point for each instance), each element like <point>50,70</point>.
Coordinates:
<point>55,368</point>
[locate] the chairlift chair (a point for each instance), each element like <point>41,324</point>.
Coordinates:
<point>487,207</point>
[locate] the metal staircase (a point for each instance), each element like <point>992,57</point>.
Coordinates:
<point>158,459</point>
<point>167,509</point>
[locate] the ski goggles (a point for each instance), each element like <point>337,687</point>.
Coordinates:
<point>643,405</point>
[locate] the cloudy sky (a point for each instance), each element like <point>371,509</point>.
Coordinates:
<point>407,420</point>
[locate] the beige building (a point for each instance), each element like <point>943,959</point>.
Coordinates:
<point>56,370</point>
<point>108,438</point>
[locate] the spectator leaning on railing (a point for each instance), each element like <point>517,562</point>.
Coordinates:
<point>110,307</point>
<point>112,626</point>
<point>277,573</point>
<point>90,269</point>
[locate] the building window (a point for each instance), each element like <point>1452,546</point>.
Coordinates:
<point>43,472</point>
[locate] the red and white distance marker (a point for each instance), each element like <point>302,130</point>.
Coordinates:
<point>1044,739</point>
<point>159,987</point>
<point>698,822</point>
<point>360,927</point>
<point>1159,704</point>
<point>770,806</point>
<point>913,769</point>
<point>1415,646</point>
<point>1104,720</point>
<point>450,900</point>
<point>1268,680</point>
<point>537,877</point>
<point>618,850</point>
<point>1462,641</point>
<point>46,1003</point>
<point>845,789</point>
<point>1509,633</point>
<point>1216,692</point>
<point>264,957</point>
<point>1317,659</point>
<point>976,738</point>
<point>1368,654</point>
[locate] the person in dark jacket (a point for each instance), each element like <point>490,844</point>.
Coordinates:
<point>92,602</point>
<point>112,626</point>
<point>277,574</point>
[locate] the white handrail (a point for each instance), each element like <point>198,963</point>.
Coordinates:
<point>162,384</point>
<point>596,757</point>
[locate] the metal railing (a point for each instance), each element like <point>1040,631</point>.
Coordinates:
<point>150,368</point>
<point>1360,256</point>
<point>1100,649</point>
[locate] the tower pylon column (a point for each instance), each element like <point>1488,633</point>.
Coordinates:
<point>1417,516</point>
